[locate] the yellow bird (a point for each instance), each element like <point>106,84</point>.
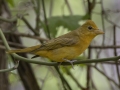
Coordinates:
<point>67,46</point>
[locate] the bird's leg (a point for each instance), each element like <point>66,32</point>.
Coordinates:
<point>70,61</point>
<point>59,64</point>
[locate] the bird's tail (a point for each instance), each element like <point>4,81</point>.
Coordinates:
<point>25,50</point>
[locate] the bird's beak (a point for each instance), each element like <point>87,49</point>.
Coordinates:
<point>99,32</point>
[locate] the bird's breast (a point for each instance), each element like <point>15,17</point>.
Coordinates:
<point>69,52</point>
<point>65,52</point>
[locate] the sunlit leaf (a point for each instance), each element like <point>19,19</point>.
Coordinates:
<point>11,2</point>
<point>69,22</point>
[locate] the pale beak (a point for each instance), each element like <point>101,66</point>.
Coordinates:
<point>99,32</point>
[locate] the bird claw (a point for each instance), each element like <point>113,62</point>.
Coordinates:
<point>71,62</point>
<point>59,64</point>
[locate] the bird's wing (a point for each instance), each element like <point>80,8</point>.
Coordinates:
<point>57,43</point>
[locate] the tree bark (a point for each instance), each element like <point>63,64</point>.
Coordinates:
<point>24,70</point>
<point>4,84</point>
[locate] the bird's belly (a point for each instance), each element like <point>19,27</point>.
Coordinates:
<point>60,54</point>
<point>69,53</point>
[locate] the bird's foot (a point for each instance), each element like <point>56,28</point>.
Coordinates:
<point>70,61</point>
<point>59,63</point>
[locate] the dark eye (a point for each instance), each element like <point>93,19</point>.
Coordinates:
<point>90,28</point>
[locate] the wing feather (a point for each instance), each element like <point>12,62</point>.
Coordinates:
<point>57,43</point>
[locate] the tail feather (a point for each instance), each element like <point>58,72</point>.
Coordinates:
<point>25,50</point>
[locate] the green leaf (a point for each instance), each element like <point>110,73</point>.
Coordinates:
<point>69,22</point>
<point>11,2</point>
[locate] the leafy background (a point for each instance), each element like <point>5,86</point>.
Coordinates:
<point>61,19</point>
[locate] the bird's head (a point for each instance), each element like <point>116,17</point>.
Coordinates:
<point>90,29</point>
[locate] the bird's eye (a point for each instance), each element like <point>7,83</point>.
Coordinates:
<point>90,28</point>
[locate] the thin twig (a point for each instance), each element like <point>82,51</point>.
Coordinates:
<point>45,18</point>
<point>69,8</point>
<point>105,76</point>
<point>64,82</point>
<point>37,15</point>
<point>103,27</point>
<point>44,80</point>
<point>106,17</point>
<point>8,20</point>
<point>104,47</point>
<point>78,84</point>
<point>51,7</point>
<point>93,85</point>
<point>55,63</point>
<point>34,3</point>
<point>10,69</point>
<point>104,71</point>
<point>12,44</point>
<point>88,76</point>
<point>29,26</point>
<point>26,35</point>
<point>115,53</point>
<point>103,24</point>
<point>111,63</point>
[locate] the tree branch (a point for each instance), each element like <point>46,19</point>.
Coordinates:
<point>10,69</point>
<point>55,63</point>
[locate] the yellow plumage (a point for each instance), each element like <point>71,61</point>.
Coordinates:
<point>67,46</point>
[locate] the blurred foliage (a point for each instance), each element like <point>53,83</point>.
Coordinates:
<point>69,22</point>
<point>58,9</point>
<point>11,2</point>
